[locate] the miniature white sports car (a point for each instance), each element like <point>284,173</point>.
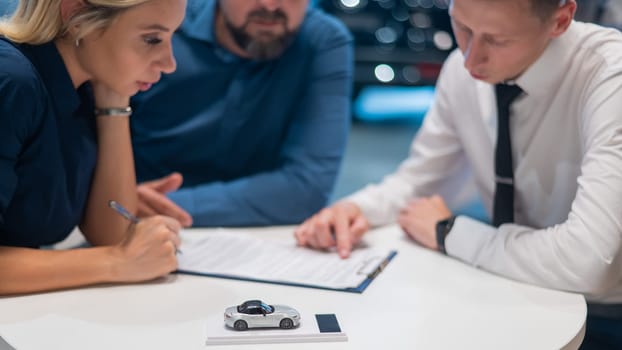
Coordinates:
<point>257,314</point>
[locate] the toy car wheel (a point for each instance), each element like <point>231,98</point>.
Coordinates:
<point>241,325</point>
<point>286,323</point>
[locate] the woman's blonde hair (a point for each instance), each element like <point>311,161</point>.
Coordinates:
<point>40,21</point>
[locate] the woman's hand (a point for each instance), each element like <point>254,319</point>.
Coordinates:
<point>105,97</point>
<point>149,250</point>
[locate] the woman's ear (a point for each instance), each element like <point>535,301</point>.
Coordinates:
<point>68,8</point>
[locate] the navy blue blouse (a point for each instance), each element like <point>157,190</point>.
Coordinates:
<point>47,146</point>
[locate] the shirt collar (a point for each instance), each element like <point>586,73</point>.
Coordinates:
<point>544,74</point>
<point>50,65</point>
<point>199,21</point>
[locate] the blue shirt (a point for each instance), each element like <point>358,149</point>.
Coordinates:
<point>7,7</point>
<point>258,143</point>
<point>47,146</point>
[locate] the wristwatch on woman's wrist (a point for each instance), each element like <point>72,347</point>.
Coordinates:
<point>442,230</point>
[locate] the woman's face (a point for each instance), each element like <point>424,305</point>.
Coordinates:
<point>132,53</point>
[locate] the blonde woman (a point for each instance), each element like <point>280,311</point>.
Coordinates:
<point>67,71</point>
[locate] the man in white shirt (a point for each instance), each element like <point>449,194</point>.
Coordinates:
<point>563,177</point>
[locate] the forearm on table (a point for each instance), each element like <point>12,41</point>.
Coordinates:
<point>25,270</point>
<point>264,199</point>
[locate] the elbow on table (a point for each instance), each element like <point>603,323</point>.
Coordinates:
<point>601,278</point>
<point>602,267</point>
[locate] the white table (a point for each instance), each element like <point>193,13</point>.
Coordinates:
<point>422,300</point>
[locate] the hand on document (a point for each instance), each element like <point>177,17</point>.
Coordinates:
<point>341,225</point>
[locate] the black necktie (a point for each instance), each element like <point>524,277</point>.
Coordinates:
<point>503,211</point>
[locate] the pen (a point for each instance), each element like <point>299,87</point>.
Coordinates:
<point>126,214</point>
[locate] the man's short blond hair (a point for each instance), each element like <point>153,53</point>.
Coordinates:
<point>545,8</point>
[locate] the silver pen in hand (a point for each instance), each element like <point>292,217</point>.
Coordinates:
<point>126,214</point>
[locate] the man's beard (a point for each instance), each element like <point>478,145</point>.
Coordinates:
<point>262,49</point>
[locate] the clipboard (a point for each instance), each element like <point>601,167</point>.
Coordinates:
<point>198,259</point>
<point>358,289</point>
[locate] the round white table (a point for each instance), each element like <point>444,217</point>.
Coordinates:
<point>422,300</point>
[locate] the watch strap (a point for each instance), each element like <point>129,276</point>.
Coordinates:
<point>443,228</point>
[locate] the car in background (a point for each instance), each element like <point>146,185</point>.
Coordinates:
<point>257,314</point>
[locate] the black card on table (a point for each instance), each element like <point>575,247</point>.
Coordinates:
<point>328,323</point>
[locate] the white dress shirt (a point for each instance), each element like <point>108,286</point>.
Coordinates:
<point>566,135</point>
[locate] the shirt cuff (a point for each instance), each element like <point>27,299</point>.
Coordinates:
<point>370,208</point>
<point>467,237</point>
<point>185,199</point>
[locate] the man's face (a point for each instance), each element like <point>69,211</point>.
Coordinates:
<point>263,28</point>
<point>500,39</point>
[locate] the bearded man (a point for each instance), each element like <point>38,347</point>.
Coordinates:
<point>255,120</point>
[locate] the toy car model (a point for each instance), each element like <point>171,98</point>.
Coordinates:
<point>257,314</point>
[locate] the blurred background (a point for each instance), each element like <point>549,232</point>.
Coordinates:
<point>400,48</point>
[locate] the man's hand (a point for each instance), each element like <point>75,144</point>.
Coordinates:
<point>418,219</point>
<point>152,199</point>
<point>341,225</point>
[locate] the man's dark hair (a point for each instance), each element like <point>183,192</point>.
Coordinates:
<point>545,8</point>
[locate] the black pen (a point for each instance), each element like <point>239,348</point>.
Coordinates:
<point>126,214</point>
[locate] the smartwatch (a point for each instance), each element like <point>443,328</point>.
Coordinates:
<point>442,230</point>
